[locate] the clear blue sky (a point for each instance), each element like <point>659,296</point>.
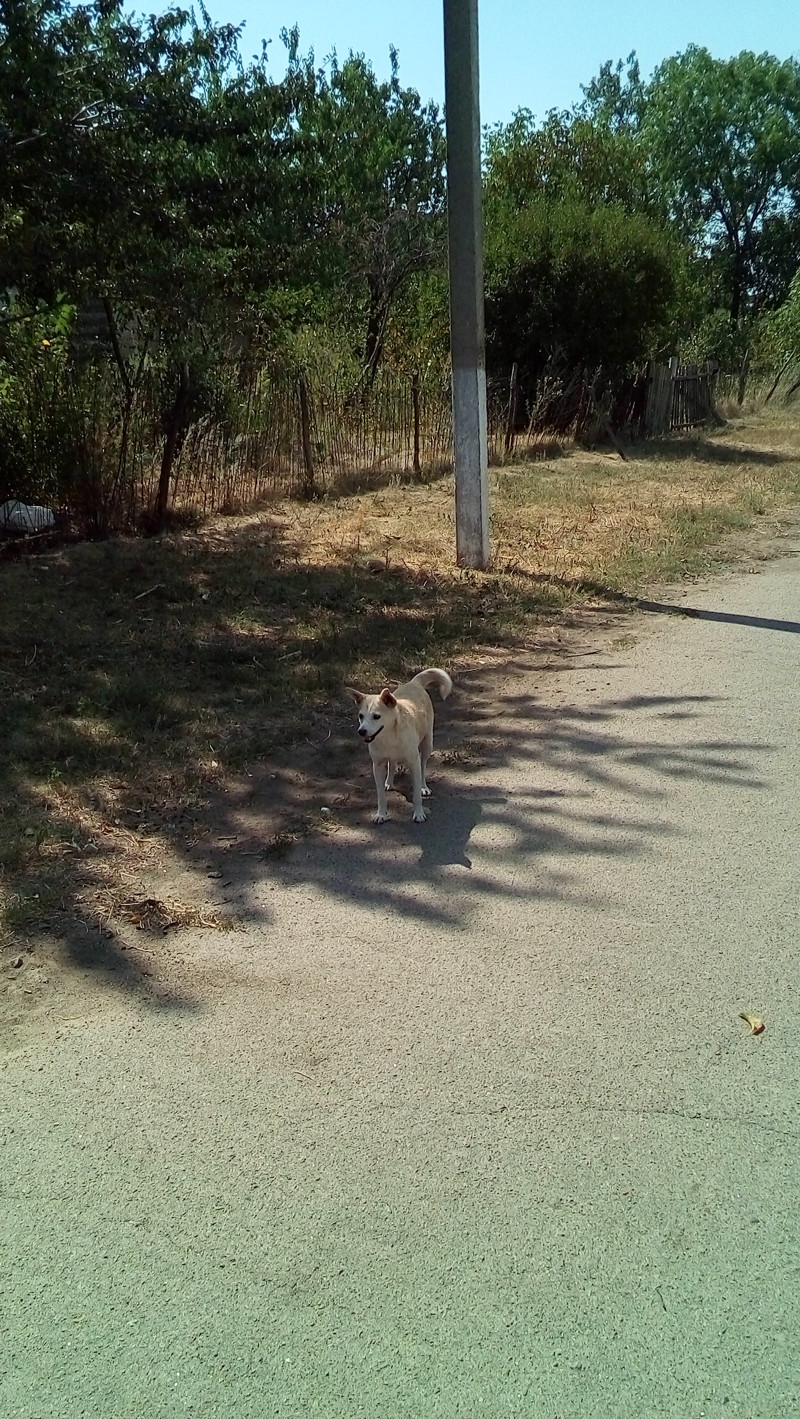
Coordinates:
<point>534,53</point>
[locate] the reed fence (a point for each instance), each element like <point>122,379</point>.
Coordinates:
<point>74,437</point>
<point>83,444</point>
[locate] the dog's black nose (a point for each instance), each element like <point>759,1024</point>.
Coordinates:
<point>362,731</point>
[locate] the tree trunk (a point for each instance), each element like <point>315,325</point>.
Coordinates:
<point>743,373</point>
<point>175,424</point>
<point>127,410</point>
<point>116,347</point>
<point>737,287</point>
<point>376,327</point>
<point>779,376</point>
<point>374,347</point>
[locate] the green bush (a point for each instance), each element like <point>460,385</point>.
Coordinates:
<point>575,286</point>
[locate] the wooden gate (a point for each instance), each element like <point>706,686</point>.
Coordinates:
<point>678,397</point>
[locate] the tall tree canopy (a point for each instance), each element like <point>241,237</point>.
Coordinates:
<point>138,158</point>
<point>582,267</point>
<point>568,157</point>
<point>373,158</point>
<point>707,149</point>
<point>723,138</point>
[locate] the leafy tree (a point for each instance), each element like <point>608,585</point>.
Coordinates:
<point>582,269</point>
<point>780,333</point>
<point>419,326</point>
<point>145,165</point>
<point>615,99</point>
<point>372,157</point>
<point>569,156</point>
<point>723,139</point>
<point>99,118</point>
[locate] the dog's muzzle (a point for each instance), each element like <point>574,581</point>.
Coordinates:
<point>368,738</point>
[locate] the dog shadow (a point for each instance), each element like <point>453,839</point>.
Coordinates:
<point>447,845</point>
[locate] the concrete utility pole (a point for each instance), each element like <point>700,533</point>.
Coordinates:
<point>465,223</point>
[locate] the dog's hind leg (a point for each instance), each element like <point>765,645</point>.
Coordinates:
<point>419,789</point>
<point>380,784</point>
<point>425,751</point>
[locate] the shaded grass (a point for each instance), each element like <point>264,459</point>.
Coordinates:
<point>137,676</point>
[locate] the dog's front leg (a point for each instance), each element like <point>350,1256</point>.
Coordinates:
<point>419,815</point>
<point>380,770</point>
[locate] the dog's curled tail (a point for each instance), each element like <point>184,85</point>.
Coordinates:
<point>434,676</point>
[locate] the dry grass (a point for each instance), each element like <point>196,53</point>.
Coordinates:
<point>156,917</point>
<point>138,677</point>
<point>584,517</point>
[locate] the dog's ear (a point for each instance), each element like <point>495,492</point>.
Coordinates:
<point>354,694</point>
<point>388,699</point>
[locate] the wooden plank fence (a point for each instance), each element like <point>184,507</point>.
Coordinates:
<point>678,397</point>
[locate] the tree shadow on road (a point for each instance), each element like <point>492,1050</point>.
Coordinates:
<point>525,792</point>
<point>130,670</point>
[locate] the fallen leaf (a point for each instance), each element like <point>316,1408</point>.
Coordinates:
<point>754,1021</point>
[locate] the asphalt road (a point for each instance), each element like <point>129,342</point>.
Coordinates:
<point>466,1122</point>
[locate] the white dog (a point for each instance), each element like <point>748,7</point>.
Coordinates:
<point>398,727</point>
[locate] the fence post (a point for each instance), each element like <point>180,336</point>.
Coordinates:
<point>512,409</point>
<point>305,436</point>
<point>673,378</point>
<point>648,421</point>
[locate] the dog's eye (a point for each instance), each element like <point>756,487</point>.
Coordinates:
<point>376,716</point>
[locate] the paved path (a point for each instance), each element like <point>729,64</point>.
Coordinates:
<point>466,1123</point>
